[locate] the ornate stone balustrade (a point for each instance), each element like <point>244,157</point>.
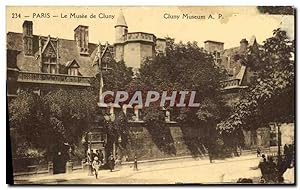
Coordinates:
<point>48,78</point>
<point>135,36</point>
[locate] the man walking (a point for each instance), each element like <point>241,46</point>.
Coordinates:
<point>96,165</point>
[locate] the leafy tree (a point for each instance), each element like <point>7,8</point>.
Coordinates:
<point>270,97</point>
<point>63,115</point>
<point>277,10</point>
<point>185,67</point>
<point>116,76</point>
<point>70,112</point>
<point>26,118</point>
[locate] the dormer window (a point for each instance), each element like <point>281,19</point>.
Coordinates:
<point>53,68</point>
<point>49,65</point>
<point>49,57</point>
<point>73,68</point>
<point>73,71</point>
<point>53,60</point>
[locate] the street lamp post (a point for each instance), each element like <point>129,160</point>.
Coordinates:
<point>135,163</point>
<point>279,143</point>
<point>89,153</point>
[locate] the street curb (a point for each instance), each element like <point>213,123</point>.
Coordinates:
<point>204,156</point>
<point>244,152</point>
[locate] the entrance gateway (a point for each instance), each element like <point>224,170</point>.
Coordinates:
<point>97,140</point>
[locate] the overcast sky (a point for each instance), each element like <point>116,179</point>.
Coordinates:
<point>236,23</point>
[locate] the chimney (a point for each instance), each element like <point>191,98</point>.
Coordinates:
<point>27,28</point>
<point>81,36</point>
<point>28,37</point>
<point>213,46</point>
<point>243,45</point>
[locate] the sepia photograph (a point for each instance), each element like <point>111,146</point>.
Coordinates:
<point>150,95</point>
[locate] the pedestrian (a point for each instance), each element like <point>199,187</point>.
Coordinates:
<point>263,167</point>
<point>94,154</point>
<point>210,151</point>
<point>285,150</point>
<point>111,162</point>
<point>118,161</point>
<point>100,155</point>
<point>258,152</point>
<point>135,164</point>
<point>272,172</point>
<point>290,153</point>
<point>96,165</point>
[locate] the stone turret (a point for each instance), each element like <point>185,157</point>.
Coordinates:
<point>121,28</point>
<point>134,47</point>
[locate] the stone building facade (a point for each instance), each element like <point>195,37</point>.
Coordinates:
<point>239,77</point>
<point>134,47</point>
<point>55,61</point>
<point>41,63</point>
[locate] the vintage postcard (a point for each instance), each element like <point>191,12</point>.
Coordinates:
<point>150,95</point>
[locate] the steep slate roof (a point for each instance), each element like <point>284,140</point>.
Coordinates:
<point>71,63</point>
<point>67,50</point>
<point>234,64</point>
<point>242,72</point>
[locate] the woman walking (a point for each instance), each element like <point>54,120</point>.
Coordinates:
<point>111,162</point>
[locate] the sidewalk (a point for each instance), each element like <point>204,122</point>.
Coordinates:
<point>158,172</point>
<point>168,159</point>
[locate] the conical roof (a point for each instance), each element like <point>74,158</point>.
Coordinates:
<point>121,20</point>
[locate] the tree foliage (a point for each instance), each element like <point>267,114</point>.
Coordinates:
<point>60,116</point>
<point>277,10</point>
<point>270,97</point>
<point>186,67</point>
<point>70,112</point>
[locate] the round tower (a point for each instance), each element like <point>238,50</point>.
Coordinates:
<point>121,29</point>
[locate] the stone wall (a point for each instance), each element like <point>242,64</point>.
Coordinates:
<point>168,142</point>
<point>176,141</point>
<point>257,138</point>
<point>263,137</point>
<point>132,54</point>
<point>136,52</point>
<point>287,133</point>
